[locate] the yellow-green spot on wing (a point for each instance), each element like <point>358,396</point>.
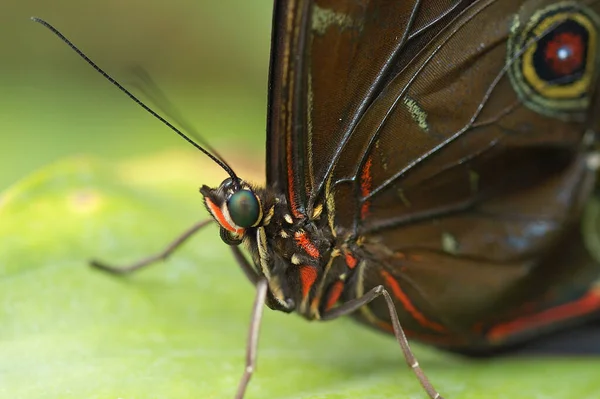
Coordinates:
<point>417,113</point>
<point>323,19</point>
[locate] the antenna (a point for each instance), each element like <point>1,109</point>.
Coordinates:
<point>218,161</point>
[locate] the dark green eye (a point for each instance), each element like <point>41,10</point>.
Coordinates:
<point>244,208</point>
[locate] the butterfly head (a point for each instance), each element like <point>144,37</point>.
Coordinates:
<point>235,207</point>
<point>246,214</point>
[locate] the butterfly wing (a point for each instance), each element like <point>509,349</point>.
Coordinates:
<point>425,129</point>
<point>326,69</point>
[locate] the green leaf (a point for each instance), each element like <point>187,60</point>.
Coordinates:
<point>178,328</point>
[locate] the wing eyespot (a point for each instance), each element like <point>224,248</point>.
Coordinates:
<point>552,59</point>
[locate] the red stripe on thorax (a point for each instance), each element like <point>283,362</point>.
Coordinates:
<point>408,305</point>
<point>216,211</point>
<point>304,241</point>
<point>308,276</point>
<point>366,185</point>
<point>585,305</point>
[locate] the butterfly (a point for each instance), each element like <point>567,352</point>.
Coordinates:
<point>431,172</point>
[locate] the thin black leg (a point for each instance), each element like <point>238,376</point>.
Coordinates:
<point>244,265</point>
<point>253,334</point>
<point>354,304</point>
<point>154,258</point>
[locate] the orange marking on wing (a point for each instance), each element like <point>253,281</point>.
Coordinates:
<point>408,305</point>
<point>350,260</point>
<point>308,276</point>
<point>366,184</point>
<point>477,327</point>
<point>216,211</point>
<point>385,326</point>
<point>444,340</point>
<point>585,305</point>
<point>305,243</point>
<point>334,294</point>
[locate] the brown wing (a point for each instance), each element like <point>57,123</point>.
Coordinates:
<point>498,264</point>
<point>330,60</point>
<point>450,129</point>
<point>448,135</point>
<point>470,185</point>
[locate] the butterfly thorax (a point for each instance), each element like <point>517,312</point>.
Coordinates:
<point>294,254</point>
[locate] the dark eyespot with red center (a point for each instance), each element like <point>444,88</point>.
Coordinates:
<point>244,208</point>
<point>561,54</point>
<point>564,53</point>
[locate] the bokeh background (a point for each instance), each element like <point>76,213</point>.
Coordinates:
<point>209,57</point>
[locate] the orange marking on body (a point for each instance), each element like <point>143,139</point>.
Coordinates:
<point>308,276</point>
<point>305,243</point>
<point>366,184</point>
<point>350,260</point>
<point>334,294</point>
<point>408,305</point>
<point>585,305</point>
<point>216,211</point>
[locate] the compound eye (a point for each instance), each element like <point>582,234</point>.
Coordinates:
<point>244,208</point>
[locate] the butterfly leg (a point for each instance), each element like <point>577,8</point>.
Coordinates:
<point>153,258</point>
<point>253,333</point>
<point>244,265</point>
<point>354,304</point>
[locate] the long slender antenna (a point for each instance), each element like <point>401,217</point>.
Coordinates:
<point>152,92</point>
<point>218,161</point>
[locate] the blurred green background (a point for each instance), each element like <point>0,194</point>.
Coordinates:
<point>210,58</point>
